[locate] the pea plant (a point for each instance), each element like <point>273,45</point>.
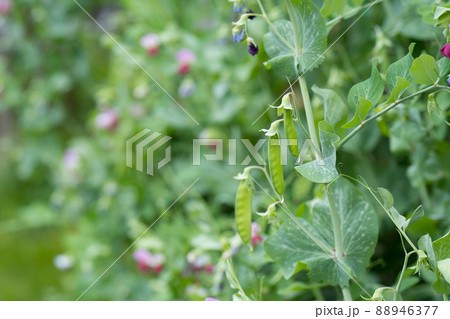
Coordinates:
<point>334,235</point>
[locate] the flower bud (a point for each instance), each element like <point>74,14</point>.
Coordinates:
<point>445,50</point>
<point>252,47</point>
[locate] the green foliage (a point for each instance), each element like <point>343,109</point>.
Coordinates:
<point>291,244</point>
<point>67,196</point>
<point>322,169</point>
<point>371,89</point>
<point>424,70</point>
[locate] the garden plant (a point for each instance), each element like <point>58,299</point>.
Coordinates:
<point>334,235</point>
<point>347,102</point>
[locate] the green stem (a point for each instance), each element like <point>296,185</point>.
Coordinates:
<point>302,82</point>
<point>338,240</point>
<point>347,294</point>
<point>405,264</point>
<point>309,116</point>
<point>274,30</point>
<point>445,297</point>
<point>385,110</point>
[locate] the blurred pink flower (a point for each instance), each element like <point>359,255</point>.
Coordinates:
<point>71,158</point>
<point>5,7</point>
<point>445,50</point>
<point>185,58</point>
<point>211,299</point>
<point>146,261</point>
<point>107,119</point>
<point>150,42</point>
<point>256,238</point>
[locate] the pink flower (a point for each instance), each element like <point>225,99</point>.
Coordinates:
<point>146,261</point>
<point>445,50</point>
<point>150,42</point>
<point>211,299</point>
<point>200,263</point>
<point>5,7</point>
<point>107,120</point>
<point>256,238</point>
<point>71,158</point>
<point>185,58</point>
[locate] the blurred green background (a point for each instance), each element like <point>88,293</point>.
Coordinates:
<point>70,98</point>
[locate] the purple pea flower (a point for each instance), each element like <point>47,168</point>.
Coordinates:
<point>211,299</point>
<point>238,9</point>
<point>252,48</point>
<point>445,50</point>
<point>238,37</point>
<point>251,17</point>
<point>448,81</point>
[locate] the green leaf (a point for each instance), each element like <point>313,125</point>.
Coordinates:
<point>386,197</point>
<point>416,216</point>
<point>333,6</point>
<point>400,69</point>
<point>405,135</point>
<point>444,67</point>
<point>400,86</point>
<point>399,220</point>
<point>426,245</point>
<point>370,89</point>
<point>312,34</point>
<point>442,15</point>
<point>362,109</point>
<point>357,2</point>
<point>441,249</point>
<point>424,70</point>
<point>336,112</point>
<point>282,56</point>
<point>444,268</point>
<point>322,170</point>
<point>290,244</point>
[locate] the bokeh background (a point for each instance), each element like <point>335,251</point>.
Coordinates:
<point>70,98</point>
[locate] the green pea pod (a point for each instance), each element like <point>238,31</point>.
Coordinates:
<point>243,211</point>
<point>291,133</point>
<point>275,165</point>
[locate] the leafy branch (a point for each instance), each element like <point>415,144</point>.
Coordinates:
<point>384,111</point>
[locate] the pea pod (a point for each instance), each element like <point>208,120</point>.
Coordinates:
<point>291,133</point>
<point>275,164</point>
<point>243,211</point>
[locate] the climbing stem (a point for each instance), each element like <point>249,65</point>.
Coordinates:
<point>309,115</point>
<point>385,110</point>
<point>302,82</point>
<point>347,294</point>
<point>337,230</point>
<point>402,274</point>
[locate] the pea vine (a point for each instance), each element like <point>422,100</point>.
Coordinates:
<point>335,235</point>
